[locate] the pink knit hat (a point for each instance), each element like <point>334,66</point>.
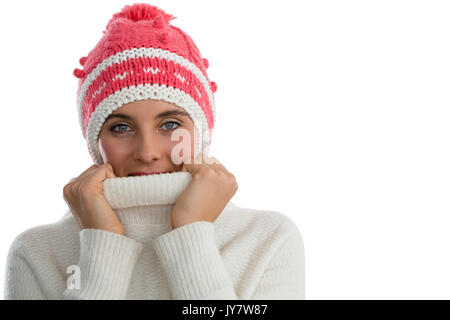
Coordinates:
<point>141,56</point>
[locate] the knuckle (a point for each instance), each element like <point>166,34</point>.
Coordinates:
<point>107,167</point>
<point>232,181</point>
<point>67,190</point>
<point>210,173</point>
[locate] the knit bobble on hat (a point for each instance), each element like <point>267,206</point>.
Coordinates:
<point>83,60</point>
<point>206,63</point>
<point>164,38</point>
<point>78,73</point>
<point>213,86</point>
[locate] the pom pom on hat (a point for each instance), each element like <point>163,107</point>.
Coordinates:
<point>140,12</point>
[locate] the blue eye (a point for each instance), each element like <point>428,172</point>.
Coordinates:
<point>171,122</point>
<point>118,125</point>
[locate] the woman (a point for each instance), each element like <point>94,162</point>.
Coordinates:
<point>152,218</point>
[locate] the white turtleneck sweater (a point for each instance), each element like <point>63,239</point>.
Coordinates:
<point>245,254</point>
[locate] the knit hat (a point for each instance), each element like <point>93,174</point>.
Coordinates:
<point>142,56</point>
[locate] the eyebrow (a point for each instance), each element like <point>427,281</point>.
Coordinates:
<point>161,115</point>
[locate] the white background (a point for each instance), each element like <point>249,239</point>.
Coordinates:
<point>335,113</point>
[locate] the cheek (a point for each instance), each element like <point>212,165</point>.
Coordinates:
<point>112,151</point>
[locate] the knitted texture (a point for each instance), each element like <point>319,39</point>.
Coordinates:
<point>244,254</point>
<point>142,56</point>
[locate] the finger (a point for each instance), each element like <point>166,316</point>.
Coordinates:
<point>84,176</point>
<point>219,166</point>
<point>90,169</point>
<point>98,176</point>
<point>214,162</point>
<point>84,173</point>
<point>91,172</point>
<point>207,160</point>
<point>110,171</point>
<point>70,181</point>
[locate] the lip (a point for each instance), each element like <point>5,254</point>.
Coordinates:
<point>143,173</point>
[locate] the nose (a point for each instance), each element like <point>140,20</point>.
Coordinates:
<point>148,147</point>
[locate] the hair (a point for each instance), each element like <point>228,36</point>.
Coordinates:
<point>98,149</point>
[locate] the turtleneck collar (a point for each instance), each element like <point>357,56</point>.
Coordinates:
<point>145,199</point>
<point>150,199</point>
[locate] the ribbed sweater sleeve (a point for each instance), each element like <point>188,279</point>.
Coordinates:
<point>193,264</point>
<point>106,264</point>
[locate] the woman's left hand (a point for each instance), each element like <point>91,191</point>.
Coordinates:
<point>211,188</point>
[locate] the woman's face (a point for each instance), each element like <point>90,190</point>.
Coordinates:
<point>142,142</point>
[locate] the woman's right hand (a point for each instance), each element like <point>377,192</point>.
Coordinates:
<point>84,196</point>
